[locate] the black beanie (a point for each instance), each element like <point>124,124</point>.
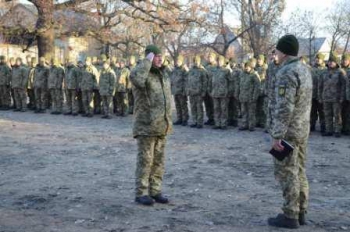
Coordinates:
<point>289,45</point>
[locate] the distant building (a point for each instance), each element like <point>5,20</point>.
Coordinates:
<point>235,48</point>
<point>311,48</point>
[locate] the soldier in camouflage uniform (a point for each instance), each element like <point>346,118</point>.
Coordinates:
<point>208,100</point>
<point>178,89</point>
<point>55,85</point>
<point>19,85</point>
<point>196,88</point>
<point>88,83</point>
<point>11,64</point>
<point>233,103</point>
<point>270,89</point>
<point>317,108</point>
<point>152,123</point>
<point>132,65</point>
<point>72,87</point>
<point>41,75</point>
<point>261,110</point>
<point>5,80</point>
<point>116,68</point>
<point>292,123</point>
<point>122,84</point>
<point>346,103</point>
<point>97,63</point>
<point>331,89</point>
<point>219,92</point>
<point>30,86</point>
<point>248,92</point>
<point>107,89</point>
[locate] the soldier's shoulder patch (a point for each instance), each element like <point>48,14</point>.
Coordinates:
<point>282,89</point>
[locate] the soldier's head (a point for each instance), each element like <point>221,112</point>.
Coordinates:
<point>333,61</point>
<point>42,61</point>
<point>122,63</point>
<point>157,60</point>
<point>253,62</point>
<point>103,58</point>
<point>233,63</point>
<point>80,64</point>
<point>212,58</point>
<point>287,46</point>
<point>18,61</point>
<point>221,61</point>
<point>55,62</point>
<point>197,61</point>
<point>2,59</point>
<point>94,60</point>
<point>113,60</point>
<point>33,62</point>
<point>248,66</point>
<point>132,60</point>
<point>261,60</point>
<point>12,61</point>
<point>346,60</point>
<point>179,61</point>
<point>319,59</point>
<point>106,64</point>
<point>88,61</point>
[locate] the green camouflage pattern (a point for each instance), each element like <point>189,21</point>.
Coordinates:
<point>107,82</point>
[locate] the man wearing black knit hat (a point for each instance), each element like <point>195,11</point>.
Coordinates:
<point>291,123</point>
<point>152,123</point>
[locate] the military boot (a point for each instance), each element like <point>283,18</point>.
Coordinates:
<point>302,219</point>
<point>178,122</point>
<point>337,134</point>
<point>144,200</point>
<point>282,221</point>
<point>159,198</point>
<point>194,125</point>
<point>184,123</point>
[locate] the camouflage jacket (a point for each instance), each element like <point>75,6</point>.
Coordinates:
<point>56,77</point>
<point>89,78</point>
<point>5,74</point>
<point>19,77</point>
<point>197,82</point>
<point>249,87</point>
<point>107,82</point>
<point>41,76</point>
<point>317,72</point>
<point>152,95</point>
<point>178,80</point>
<point>71,78</point>
<point>129,83</point>
<point>291,113</point>
<point>233,84</point>
<point>261,70</point>
<point>123,81</point>
<point>332,86</point>
<point>211,71</point>
<point>347,79</point>
<point>220,83</point>
<point>31,74</point>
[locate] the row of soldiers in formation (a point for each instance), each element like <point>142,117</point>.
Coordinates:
<point>90,88</point>
<point>227,91</point>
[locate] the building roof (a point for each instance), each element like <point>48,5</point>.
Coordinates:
<point>317,45</point>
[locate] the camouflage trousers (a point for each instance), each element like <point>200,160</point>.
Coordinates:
<point>220,111</point>
<point>97,101</point>
<point>232,109</point>
<point>131,101</point>
<point>107,104</point>
<point>20,96</point>
<point>40,98</point>
<point>150,165</point>
<point>209,106</point>
<point>72,101</point>
<point>332,113</point>
<point>196,102</point>
<point>121,105</point>
<point>248,114</point>
<point>5,96</point>
<point>56,100</point>
<point>261,111</point>
<point>181,107</point>
<point>317,113</point>
<point>31,96</point>
<point>87,99</point>
<point>346,116</point>
<point>291,175</point>
<point>80,101</point>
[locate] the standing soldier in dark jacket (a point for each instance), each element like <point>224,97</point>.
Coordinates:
<point>346,103</point>
<point>19,85</point>
<point>152,123</point>
<point>41,77</point>
<point>5,80</point>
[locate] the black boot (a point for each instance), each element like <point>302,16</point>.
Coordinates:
<point>209,122</point>
<point>193,125</point>
<point>184,123</point>
<point>178,122</point>
<point>337,134</point>
<point>323,128</point>
<point>217,127</point>
<point>144,200</point>
<point>243,128</point>
<point>199,126</point>
<point>302,219</point>
<point>159,198</point>
<point>282,221</point>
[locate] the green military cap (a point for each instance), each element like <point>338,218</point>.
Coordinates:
<point>88,59</point>
<point>33,60</point>
<point>252,60</point>
<point>346,56</point>
<point>154,49</point>
<point>212,55</point>
<point>334,57</point>
<point>133,59</point>
<point>221,59</point>
<point>103,57</point>
<point>261,57</point>
<point>180,58</point>
<point>248,64</point>
<point>94,59</point>
<point>197,59</point>
<point>320,56</point>
<point>55,61</point>
<point>42,59</point>
<point>114,59</point>
<point>2,57</point>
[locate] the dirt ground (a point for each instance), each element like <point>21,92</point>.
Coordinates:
<point>75,174</point>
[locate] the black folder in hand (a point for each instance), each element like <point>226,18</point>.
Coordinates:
<point>280,155</point>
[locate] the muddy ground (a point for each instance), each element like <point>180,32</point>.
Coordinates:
<point>75,174</point>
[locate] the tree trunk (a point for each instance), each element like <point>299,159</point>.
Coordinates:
<point>347,43</point>
<point>46,44</point>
